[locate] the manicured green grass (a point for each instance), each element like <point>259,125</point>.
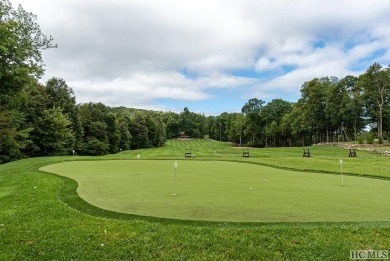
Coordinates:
<point>42,218</point>
<point>226,191</point>
<point>324,158</point>
<point>382,148</point>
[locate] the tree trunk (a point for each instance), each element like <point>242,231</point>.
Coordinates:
<point>327,133</point>
<point>380,104</point>
<point>380,122</point>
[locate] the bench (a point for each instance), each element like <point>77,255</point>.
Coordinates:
<point>245,153</point>
<point>352,153</point>
<point>306,153</point>
<point>188,154</point>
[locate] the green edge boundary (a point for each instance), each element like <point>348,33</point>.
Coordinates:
<point>68,194</point>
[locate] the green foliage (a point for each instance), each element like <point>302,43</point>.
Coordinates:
<point>60,95</point>
<point>13,136</point>
<point>192,124</point>
<point>360,139</point>
<point>21,43</point>
<point>387,136</point>
<point>56,138</point>
<point>253,105</point>
<point>124,135</point>
<point>375,83</point>
<point>172,122</point>
<point>236,130</point>
<point>370,138</point>
<point>250,144</point>
<point>94,146</point>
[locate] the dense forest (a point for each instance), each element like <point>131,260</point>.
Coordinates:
<point>44,119</point>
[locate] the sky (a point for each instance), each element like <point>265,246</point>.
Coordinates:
<point>211,56</point>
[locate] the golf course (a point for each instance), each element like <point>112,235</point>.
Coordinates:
<point>155,203</point>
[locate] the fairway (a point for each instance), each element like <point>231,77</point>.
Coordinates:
<point>226,191</point>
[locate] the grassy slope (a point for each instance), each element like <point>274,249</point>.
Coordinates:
<point>36,225</point>
<point>324,159</point>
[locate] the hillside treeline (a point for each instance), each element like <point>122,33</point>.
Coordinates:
<point>44,119</point>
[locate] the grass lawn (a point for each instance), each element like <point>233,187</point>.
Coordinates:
<point>226,191</point>
<point>42,217</point>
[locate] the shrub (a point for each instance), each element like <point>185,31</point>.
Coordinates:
<point>250,144</point>
<point>360,139</point>
<point>370,138</point>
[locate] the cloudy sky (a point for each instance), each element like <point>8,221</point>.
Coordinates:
<point>209,55</point>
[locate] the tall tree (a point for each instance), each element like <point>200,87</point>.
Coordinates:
<point>21,43</point>
<point>273,114</point>
<point>56,135</point>
<point>295,122</point>
<point>124,133</point>
<point>113,132</point>
<point>61,96</point>
<point>252,110</point>
<point>93,117</point>
<point>172,125</point>
<point>375,83</point>
<point>139,132</point>
<point>236,130</point>
<point>314,95</point>
<point>13,138</point>
<point>344,108</point>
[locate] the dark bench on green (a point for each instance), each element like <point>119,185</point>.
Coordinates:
<point>188,154</point>
<point>245,153</point>
<point>306,153</point>
<point>352,153</point>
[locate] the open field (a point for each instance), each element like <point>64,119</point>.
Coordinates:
<point>42,218</point>
<point>225,191</point>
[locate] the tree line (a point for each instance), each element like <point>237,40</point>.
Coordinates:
<point>44,119</point>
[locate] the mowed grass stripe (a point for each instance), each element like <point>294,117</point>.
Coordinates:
<point>324,158</point>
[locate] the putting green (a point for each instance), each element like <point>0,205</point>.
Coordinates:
<point>226,191</point>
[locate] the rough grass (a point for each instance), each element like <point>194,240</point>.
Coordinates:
<point>36,224</point>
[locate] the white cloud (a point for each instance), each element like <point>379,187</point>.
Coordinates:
<point>141,89</point>
<point>128,52</point>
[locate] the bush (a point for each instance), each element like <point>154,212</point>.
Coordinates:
<point>360,139</point>
<point>386,136</point>
<point>250,144</point>
<point>370,138</point>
